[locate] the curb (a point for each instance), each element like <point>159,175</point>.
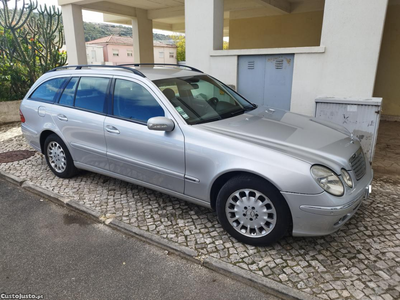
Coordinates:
<point>154,239</point>
<point>41,192</point>
<point>264,284</point>
<point>84,210</point>
<point>11,178</point>
<point>270,286</point>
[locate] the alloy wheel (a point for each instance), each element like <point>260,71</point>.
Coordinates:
<point>251,213</point>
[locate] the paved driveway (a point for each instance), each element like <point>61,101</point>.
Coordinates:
<point>361,261</point>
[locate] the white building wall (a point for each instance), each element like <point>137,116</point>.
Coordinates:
<point>74,34</point>
<point>204,22</point>
<point>307,74</point>
<point>225,68</point>
<point>142,34</point>
<point>94,54</point>
<point>352,34</point>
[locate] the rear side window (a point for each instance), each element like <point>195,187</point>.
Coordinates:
<point>91,93</point>
<point>132,101</point>
<point>48,90</point>
<point>68,95</point>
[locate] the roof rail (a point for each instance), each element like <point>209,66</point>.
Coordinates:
<point>79,67</point>
<point>162,64</point>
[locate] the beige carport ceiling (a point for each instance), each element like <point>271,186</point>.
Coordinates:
<point>170,14</point>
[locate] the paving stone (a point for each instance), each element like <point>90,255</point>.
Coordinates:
<point>360,261</point>
<point>333,294</point>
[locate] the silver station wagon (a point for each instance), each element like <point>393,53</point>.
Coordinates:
<point>174,129</point>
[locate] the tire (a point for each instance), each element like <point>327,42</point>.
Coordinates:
<point>58,157</point>
<point>253,211</point>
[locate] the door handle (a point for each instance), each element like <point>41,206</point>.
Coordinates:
<point>62,117</point>
<point>112,129</point>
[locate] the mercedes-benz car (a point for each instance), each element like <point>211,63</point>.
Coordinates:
<point>266,172</point>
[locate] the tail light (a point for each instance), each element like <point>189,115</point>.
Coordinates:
<point>21,115</point>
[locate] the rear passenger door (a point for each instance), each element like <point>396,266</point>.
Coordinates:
<point>80,116</point>
<point>154,157</point>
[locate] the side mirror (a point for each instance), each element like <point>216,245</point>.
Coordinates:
<point>160,124</point>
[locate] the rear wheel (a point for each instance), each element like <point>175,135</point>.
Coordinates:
<point>58,157</point>
<point>253,211</point>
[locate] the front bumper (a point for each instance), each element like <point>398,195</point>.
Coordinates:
<point>322,214</point>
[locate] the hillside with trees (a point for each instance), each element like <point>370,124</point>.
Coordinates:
<point>94,31</point>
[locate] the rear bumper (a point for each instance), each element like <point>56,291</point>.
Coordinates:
<point>322,214</point>
<point>31,136</point>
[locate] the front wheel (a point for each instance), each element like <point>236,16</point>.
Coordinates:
<point>253,211</point>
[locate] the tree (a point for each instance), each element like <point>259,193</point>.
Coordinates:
<point>180,44</point>
<point>30,39</point>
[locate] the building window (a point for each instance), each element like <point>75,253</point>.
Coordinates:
<point>161,54</point>
<point>129,53</point>
<point>115,52</point>
<point>171,55</point>
<point>93,55</point>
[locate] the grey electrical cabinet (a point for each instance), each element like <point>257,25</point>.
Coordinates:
<point>360,116</point>
<point>266,80</point>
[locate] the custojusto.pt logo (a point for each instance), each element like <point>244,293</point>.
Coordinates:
<point>20,296</point>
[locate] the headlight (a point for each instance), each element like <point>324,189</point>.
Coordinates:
<point>347,178</point>
<point>328,180</point>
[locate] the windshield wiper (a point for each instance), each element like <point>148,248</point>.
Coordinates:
<point>235,113</point>
<point>207,120</point>
<point>248,108</point>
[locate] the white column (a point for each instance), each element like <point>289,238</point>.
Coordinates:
<point>352,34</point>
<point>204,26</point>
<point>142,34</point>
<point>74,34</point>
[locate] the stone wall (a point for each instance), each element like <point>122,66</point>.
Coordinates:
<point>9,111</point>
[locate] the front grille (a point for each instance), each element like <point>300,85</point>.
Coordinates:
<point>357,162</point>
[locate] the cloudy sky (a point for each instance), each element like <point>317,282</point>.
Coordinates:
<point>88,16</point>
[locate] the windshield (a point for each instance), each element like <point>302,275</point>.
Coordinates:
<point>200,99</point>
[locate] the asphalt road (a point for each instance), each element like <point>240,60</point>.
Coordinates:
<point>49,250</point>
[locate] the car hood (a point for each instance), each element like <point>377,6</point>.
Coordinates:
<point>309,139</point>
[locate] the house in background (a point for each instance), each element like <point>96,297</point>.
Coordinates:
<point>115,50</point>
<point>94,54</point>
<point>164,53</point>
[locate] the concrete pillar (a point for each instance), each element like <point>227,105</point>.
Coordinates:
<point>142,34</point>
<point>352,33</point>
<point>74,34</point>
<point>204,29</point>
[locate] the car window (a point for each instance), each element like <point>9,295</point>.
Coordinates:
<point>67,97</point>
<point>91,93</point>
<point>200,99</point>
<point>47,91</point>
<point>207,90</point>
<point>132,101</point>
